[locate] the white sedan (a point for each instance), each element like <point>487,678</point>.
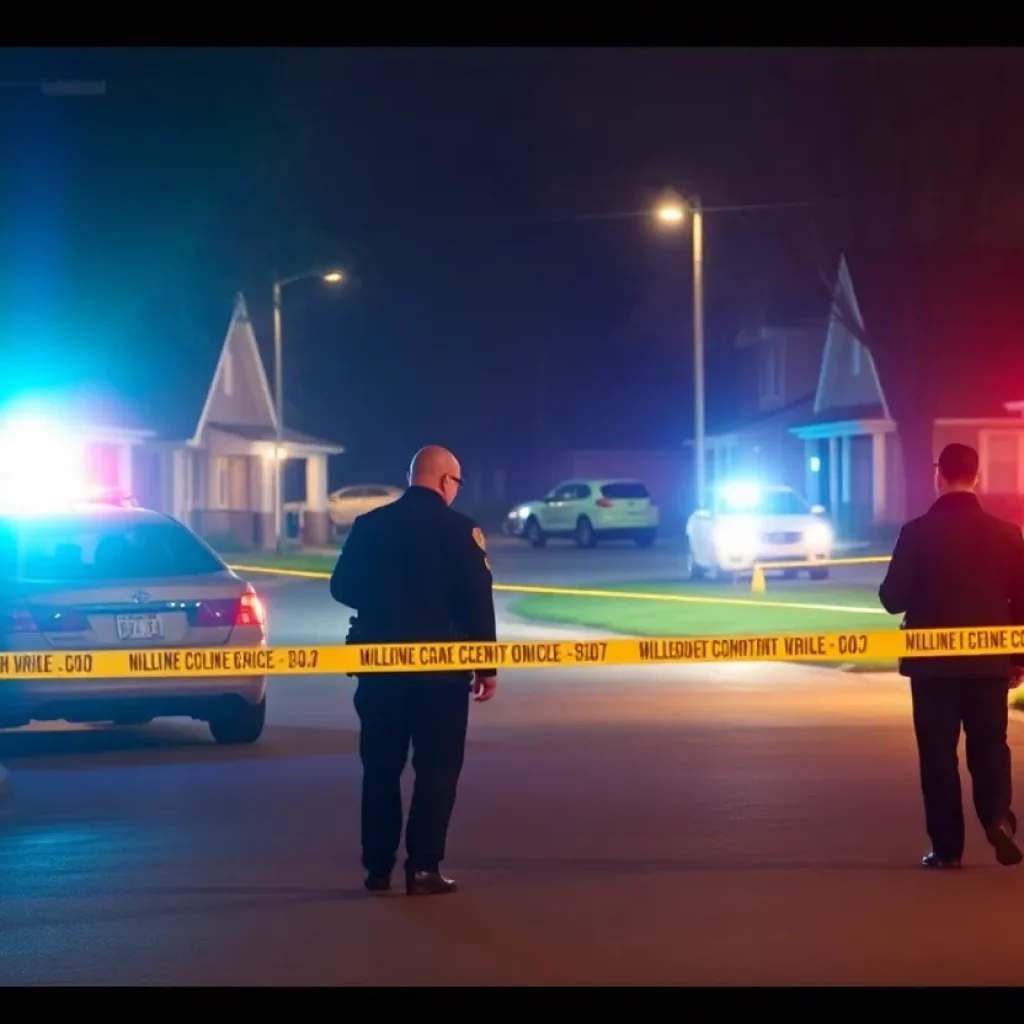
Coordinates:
<point>750,525</point>
<point>346,504</point>
<point>114,578</point>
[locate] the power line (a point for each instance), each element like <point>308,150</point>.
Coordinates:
<point>731,208</point>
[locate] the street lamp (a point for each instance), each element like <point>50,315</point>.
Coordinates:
<point>670,213</point>
<point>329,277</point>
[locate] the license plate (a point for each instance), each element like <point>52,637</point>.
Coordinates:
<point>139,627</point>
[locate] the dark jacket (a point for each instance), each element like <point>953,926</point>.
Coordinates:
<point>416,571</point>
<point>956,566</point>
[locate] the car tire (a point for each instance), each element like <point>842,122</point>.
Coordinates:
<point>818,574</point>
<point>693,570</point>
<point>243,725</point>
<point>721,575</point>
<point>534,534</point>
<point>645,538</point>
<point>585,536</point>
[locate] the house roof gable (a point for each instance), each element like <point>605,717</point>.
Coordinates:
<point>839,387</point>
<point>240,347</point>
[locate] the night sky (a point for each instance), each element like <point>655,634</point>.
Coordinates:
<point>446,181</point>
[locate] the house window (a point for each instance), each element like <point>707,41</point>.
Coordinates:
<point>856,357</point>
<point>1001,462</point>
<point>770,376</point>
<point>227,373</point>
<point>220,472</point>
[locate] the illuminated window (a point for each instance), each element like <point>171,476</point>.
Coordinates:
<point>1001,462</point>
<point>220,472</point>
<point>227,373</point>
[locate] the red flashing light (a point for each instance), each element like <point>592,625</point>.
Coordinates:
<point>604,503</point>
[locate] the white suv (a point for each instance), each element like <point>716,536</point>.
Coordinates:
<point>589,511</point>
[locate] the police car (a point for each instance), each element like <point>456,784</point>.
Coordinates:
<point>108,575</point>
<point>749,524</point>
<point>588,511</point>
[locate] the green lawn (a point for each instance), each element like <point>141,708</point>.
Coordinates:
<point>272,560</point>
<point>672,618</point>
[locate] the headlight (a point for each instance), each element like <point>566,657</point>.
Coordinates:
<point>818,534</point>
<point>522,513</point>
<point>738,538</point>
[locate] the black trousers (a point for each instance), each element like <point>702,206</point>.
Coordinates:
<point>941,707</point>
<point>429,713</point>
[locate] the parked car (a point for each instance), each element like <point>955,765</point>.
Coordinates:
<point>345,504</point>
<point>750,524</point>
<point>116,578</point>
<point>589,511</point>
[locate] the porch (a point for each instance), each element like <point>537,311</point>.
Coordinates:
<point>225,487</point>
<point>854,469</point>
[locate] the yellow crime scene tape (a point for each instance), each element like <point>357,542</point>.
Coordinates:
<point>849,646</point>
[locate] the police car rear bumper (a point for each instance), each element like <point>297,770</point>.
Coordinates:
<point>102,700</point>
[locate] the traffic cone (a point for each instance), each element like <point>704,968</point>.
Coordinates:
<point>757,584</point>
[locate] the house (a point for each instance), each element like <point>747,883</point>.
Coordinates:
<point>852,453</point>
<point>772,369</point>
<point>212,462</point>
<point>203,447</point>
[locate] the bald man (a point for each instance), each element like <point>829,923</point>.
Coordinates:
<point>415,571</point>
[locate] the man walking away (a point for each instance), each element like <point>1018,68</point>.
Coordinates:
<point>415,571</point>
<point>958,566</point>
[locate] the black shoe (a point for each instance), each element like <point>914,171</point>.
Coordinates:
<point>933,860</point>
<point>428,883</point>
<point>1001,837</point>
<point>378,883</point>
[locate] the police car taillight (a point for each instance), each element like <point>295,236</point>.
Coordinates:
<point>250,611</point>
<point>226,612</point>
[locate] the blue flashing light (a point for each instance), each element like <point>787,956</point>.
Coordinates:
<point>741,496</point>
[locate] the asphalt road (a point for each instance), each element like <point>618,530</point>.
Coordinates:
<point>739,824</point>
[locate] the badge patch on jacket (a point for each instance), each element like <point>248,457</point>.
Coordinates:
<point>478,536</point>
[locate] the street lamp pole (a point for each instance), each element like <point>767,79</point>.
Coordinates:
<point>330,277</point>
<point>279,532</point>
<point>698,352</point>
<point>671,212</point>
